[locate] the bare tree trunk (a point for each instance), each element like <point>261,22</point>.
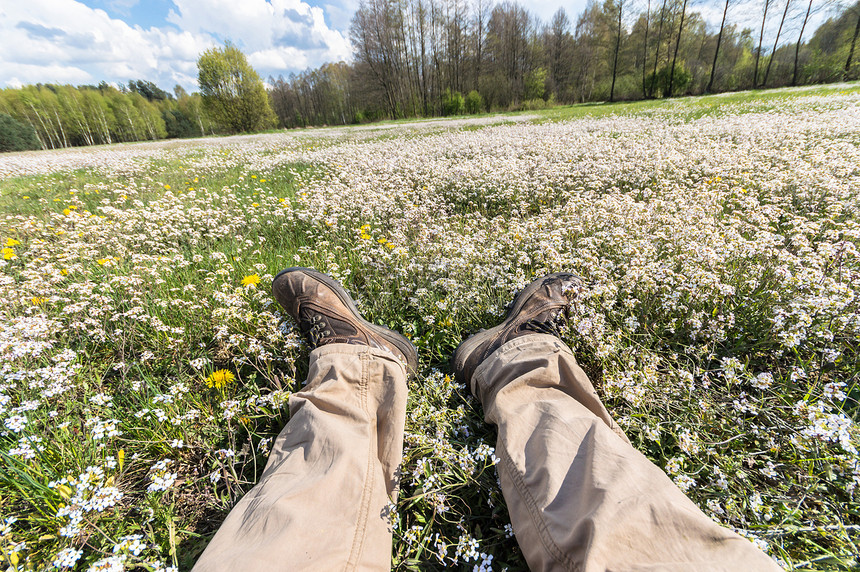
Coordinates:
<point>409,59</point>
<point>760,39</point>
<point>420,21</point>
<point>435,42</point>
<point>44,125</point>
<point>657,54</point>
<point>149,126</point>
<point>717,51</point>
<point>645,48</point>
<point>797,48</point>
<point>83,122</point>
<point>677,45</point>
<point>42,143</point>
<point>105,127</point>
<point>130,122</point>
<point>775,43</point>
<point>617,46</point>
<point>853,43</point>
<point>62,131</point>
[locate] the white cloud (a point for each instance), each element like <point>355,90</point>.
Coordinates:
<point>64,41</point>
<point>284,58</point>
<point>278,35</point>
<point>19,74</point>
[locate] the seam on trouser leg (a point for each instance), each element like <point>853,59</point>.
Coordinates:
<point>535,513</point>
<point>364,507</point>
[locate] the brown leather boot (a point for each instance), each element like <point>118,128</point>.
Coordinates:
<point>326,314</point>
<point>542,307</point>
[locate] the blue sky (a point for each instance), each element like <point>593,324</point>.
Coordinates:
<point>89,41</point>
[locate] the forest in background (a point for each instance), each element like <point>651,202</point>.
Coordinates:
<point>415,58</point>
<point>57,116</point>
<point>449,57</point>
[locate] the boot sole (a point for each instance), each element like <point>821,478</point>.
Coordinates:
<point>398,340</point>
<point>468,346</point>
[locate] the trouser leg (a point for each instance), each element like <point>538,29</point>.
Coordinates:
<point>322,501</point>
<point>579,495</point>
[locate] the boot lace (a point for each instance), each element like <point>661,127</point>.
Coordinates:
<point>552,325</point>
<point>318,330</point>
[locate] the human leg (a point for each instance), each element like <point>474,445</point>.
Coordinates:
<point>322,501</point>
<point>580,496</point>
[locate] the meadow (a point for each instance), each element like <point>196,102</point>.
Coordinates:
<point>145,368</point>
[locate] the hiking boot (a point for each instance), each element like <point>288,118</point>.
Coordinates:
<point>326,314</point>
<point>542,307</point>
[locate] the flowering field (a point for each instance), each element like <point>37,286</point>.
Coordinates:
<point>145,368</point>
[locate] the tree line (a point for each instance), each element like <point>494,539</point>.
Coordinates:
<point>64,116</point>
<point>445,57</point>
<point>449,57</point>
<point>232,99</point>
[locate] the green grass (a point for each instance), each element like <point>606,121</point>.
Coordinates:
<point>692,107</point>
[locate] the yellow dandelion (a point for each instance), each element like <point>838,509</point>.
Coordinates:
<point>8,254</point>
<point>255,204</point>
<point>73,207</point>
<point>12,242</point>
<point>103,261</point>
<point>25,197</point>
<point>166,187</point>
<point>220,378</point>
<point>67,212</point>
<point>251,281</point>
<point>37,301</point>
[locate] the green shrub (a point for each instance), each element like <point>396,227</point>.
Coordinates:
<point>535,84</point>
<point>474,102</point>
<point>682,80</point>
<point>16,136</point>
<point>179,125</point>
<point>453,103</point>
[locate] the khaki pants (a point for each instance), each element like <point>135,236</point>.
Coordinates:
<point>580,496</point>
